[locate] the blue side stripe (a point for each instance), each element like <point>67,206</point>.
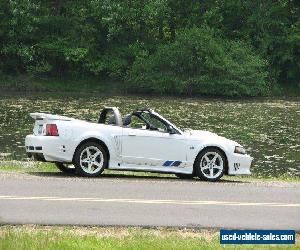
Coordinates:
<point>168,163</point>
<point>176,163</point>
<point>172,163</point>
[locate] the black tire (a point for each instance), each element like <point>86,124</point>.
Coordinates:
<point>80,169</point>
<point>184,176</point>
<point>65,168</point>
<point>198,160</point>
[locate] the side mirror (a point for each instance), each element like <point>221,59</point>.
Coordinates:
<point>171,130</point>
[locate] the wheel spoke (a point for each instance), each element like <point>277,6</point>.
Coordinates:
<point>206,158</point>
<point>97,164</point>
<point>88,153</point>
<point>95,155</point>
<point>205,167</point>
<point>85,160</point>
<point>218,167</point>
<point>211,172</point>
<point>215,158</point>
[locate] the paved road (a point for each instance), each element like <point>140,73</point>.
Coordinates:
<point>118,200</point>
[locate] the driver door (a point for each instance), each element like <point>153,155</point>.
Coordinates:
<point>153,148</point>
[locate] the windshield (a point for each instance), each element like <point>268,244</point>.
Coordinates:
<point>154,122</point>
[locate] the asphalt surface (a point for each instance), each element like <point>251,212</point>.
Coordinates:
<point>53,198</point>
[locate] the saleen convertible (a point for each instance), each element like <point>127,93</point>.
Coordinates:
<point>141,141</point>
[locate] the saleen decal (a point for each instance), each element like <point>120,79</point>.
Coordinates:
<point>172,163</point>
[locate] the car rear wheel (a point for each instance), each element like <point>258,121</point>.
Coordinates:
<point>184,176</point>
<point>65,167</point>
<point>90,159</point>
<point>210,164</point>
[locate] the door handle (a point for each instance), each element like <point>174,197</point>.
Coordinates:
<point>132,134</point>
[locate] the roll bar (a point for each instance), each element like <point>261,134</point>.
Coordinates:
<point>116,112</point>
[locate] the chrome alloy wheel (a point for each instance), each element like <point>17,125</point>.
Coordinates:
<point>211,165</point>
<point>91,159</point>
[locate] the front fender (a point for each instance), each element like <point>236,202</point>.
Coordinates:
<point>225,148</point>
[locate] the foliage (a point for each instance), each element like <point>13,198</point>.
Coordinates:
<point>109,39</point>
<point>272,27</point>
<point>200,62</point>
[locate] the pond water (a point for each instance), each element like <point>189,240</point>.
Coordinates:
<point>268,128</point>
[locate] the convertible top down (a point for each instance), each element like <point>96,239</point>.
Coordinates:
<point>140,141</point>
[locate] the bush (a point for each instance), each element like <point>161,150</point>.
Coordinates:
<point>201,62</point>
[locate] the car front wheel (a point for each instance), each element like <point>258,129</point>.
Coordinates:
<point>210,164</point>
<point>90,159</point>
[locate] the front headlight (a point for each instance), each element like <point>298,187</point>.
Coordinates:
<point>239,150</point>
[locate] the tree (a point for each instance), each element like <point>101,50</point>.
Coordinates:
<point>199,61</point>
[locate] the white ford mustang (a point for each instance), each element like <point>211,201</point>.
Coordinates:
<point>141,141</point>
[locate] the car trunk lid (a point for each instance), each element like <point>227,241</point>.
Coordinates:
<point>42,119</point>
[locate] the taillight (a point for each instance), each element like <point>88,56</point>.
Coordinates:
<point>51,130</point>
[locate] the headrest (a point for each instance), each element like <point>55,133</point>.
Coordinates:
<point>127,120</point>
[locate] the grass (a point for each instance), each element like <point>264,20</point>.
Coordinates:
<point>26,167</point>
<point>74,237</point>
<point>15,166</point>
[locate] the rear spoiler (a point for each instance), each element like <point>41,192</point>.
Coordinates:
<point>42,116</point>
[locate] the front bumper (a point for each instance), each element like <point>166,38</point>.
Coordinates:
<point>239,164</point>
<point>46,148</point>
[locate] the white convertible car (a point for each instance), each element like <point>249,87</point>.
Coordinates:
<point>141,141</point>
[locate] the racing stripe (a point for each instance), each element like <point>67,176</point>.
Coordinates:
<point>168,163</point>
<point>176,163</point>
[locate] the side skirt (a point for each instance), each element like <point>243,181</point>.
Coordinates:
<point>153,169</point>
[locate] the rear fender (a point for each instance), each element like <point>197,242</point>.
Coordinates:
<point>109,142</point>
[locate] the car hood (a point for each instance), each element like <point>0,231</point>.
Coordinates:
<point>209,136</point>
